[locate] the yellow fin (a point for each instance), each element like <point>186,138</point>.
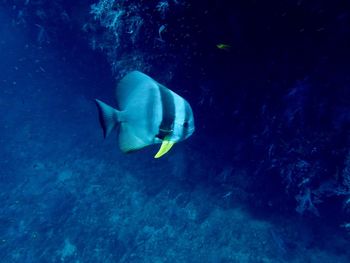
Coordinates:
<point>164,148</point>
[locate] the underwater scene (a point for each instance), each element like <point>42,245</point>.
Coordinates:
<point>163,131</point>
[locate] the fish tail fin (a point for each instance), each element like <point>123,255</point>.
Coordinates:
<point>108,117</point>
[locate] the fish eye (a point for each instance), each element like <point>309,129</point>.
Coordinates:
<point>186,124</point>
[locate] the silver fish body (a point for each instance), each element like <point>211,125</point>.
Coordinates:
<point>147,113</point>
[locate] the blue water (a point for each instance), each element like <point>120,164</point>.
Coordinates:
<point>265,177</point>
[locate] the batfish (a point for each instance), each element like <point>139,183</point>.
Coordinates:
<point>147,113</point>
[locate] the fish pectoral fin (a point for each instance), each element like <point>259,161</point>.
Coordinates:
<point>164,148</point>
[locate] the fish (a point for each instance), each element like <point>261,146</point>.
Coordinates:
<point>160,30</point>
<point>147,113</point>
<point>225,47</point>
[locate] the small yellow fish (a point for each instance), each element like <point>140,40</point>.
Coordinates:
<point>225,47</point>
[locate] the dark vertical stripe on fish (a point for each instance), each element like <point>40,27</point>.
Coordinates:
<point>151,99</point>
<point>168,107</point>
<point>186,120</point>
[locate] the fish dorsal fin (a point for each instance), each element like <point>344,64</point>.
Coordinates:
<point>133,83</point>
<point>128,140</point>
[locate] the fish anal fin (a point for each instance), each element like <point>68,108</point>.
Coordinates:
<point>128,141</point>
